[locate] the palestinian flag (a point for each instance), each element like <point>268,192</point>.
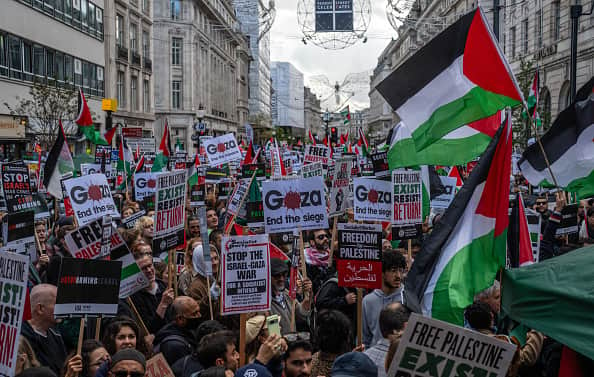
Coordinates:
<point>108,135</point>
<point>455,173</point>
<point>59,162</point>
<point>431,186</point>
<point>125,157</point>
<point>532,100</point>
<point>192,172</point>
<point>346,115</point>
<point>456,148</point>
<point>467,247</point>
<point>160,163</point>
<point>568,146</point>
<point>85,121</point>
<point>519,244</point>
<point>249,155</point>
<point>140,165</point>
<point>165,145</point>
<point>459,77</point>
<point>311,137</point>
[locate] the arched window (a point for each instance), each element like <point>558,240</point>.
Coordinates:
<point>564,97</point>
<point>545,105</point>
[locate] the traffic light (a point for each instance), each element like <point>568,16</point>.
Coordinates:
<point>333,135</point>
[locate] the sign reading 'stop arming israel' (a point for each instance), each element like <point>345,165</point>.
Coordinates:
<point>334,15</point>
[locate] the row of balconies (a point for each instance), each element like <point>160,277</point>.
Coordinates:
<point>133,58</point>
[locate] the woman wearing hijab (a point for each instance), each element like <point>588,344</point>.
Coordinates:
<point>201,287</point>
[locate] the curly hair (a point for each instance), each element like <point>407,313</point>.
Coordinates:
<point>114,328</point>
<point>334,332</point>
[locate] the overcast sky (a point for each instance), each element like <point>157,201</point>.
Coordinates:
<point>286,45</point>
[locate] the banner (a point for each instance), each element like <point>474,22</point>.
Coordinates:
<point>372,199</point>
<point>443,201</point>
<point>334,15</point>
<point>431,348</point>
<point>132,279</point>
<point>35,202</point>
<point>534,226</point>
<point>380,164</point>
<point>407,197</point>
<point>90,198</point>
<point>224,189</point>
<point>157,366</point>
<point>85,242</point>
<point>293,203</point>
<point>19,234</point>
<point>246,274</point>
<point>312,170</point>
<point>14,272</point>
<point>221,149</point>
<point>316,153</point>
<point>144,185</point>
<point>79,277</point>
<point>340,190</point>
<point>170,206</point>
<point>15,181</point>
<point>254,206</point>
<point>359,259</point>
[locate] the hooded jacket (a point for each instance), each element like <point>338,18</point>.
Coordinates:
<point>373,304</point>
<point>175,342</point>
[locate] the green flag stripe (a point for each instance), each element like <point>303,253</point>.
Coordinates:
<point>130,270</point>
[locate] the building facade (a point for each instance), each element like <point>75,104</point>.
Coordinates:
<point>248,13</point>
<point>128,50</point>
<point>201,61</point>
<point>59,45</point>
<point>312,116</point>
<point>288,97</point>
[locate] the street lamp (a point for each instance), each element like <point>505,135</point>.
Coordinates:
<point>199,128</point>
<point>326,118</point>
<point>200,113</point>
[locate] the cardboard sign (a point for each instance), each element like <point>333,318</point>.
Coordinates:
<point>430,347</point>
<point>103,152</point>
<point>14,271</point>
<point>85,242</point>
<point>170,207</point>
<point>569,220</point>
<point>372,199</point>
<point>340,190</point>
<point>90,198</point>
<point>132,279</point>
<point>380,164</point>
<point>35,202</point>
<point>157,366</point>
<point>289,204</point>
<point>407,197</point>
<point>79,277</point>
<point>534,226</point>
<point>406,232</point>
<point>359,259</point>
<point>312,170</point>
<point>145,185</point>
<point>246,274</point>
<point>130,221</point>
<point>215,175</point>
<point>18,234</point>
<point>221,149</point>
<point>197,191</point>
<point>443,201</point>
<point>238,196</point>
<point>16,181</point>
<point>316,153</point>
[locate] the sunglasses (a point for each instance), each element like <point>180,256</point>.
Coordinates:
<point>125,373</point>
<point>293,337</point>
<point>541,203</point>
<point>322,236</point>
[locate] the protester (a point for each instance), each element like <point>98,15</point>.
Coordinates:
<point>219,371</point>
<point>255,335</point>
<point>188,274</point>
<point>127,211</point>
<point>25,356</point>
<point>331,296</point>
<point>353,364</point>
<point>47,343</point>
<point>317,256</point>
<point>37,372</point>
<point>392,320</point>
<point>193,229</point>
<point>127,362</point>
<point>93,355</point>
<point>217,349</point>
<point>188,365</point>
<point>393,267</point>
<point>542,207</point>
<point>298,359</point>
<point>176,339</point>
<point>281,302</point>
<point>215,238</point>
<point>145,226</point>
<point>123,333</point>
<point>141,249</point>
<point>333,337</point>
<point>212,220</point>
<point>199,289</point>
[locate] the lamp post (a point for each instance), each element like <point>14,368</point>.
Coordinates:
<point>199,127</point>
<point>326,118</point>
<point>575,12</point>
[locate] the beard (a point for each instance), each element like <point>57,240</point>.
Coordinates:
<point>394,284</point>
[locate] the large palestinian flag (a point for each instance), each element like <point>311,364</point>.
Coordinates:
<point>456,148</point>
<point>459,77</point>
<point>59,162</point>
<point>467,247</point>
<point>568,146</point>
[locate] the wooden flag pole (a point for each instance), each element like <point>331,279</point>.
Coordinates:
<point>242,325</point>
<point>81,335</point>
<point>359,316</point>
<point>409,253</point>
<point>137,315</point>
<point>97,328</point>
<point>532,123</point>
<point>332,242</point>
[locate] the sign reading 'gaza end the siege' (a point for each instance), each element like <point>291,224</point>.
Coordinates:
<point>359,259</point>
<point>170,204</point>
<point>430,347</point>
<point>144,185</point>
<point>293,203</point>
<point>90,198</point>
<point>372,199</point>
<point>222,149</point>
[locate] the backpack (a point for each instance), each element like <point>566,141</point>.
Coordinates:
<point>170,338</point>
<point>314,311</point>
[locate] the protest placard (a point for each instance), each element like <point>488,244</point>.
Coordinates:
<point>248,170</point>
<point>14,271</point>
<point>340,190</point>
<point>157,366</point>
<point>367,169</point>
<point>246,274</point>
<point>221,149</point>
<point>534,226</point>
<point>372,199</point>
<point>293,203</point>
<point>569,220</point>
<point>198,187</point>
<point>430,347</point>
<point>90,198</point>
<point>145,185</point>
<point>407,197</point>
<point>254,207</point>
<point>87,169</point>
<point>15,181</point>
<point>35,202</point>
<point>312,170</point>
<point>224,189</point>
<point>132,279</point>
<point>379,161</point>
<point>85,241</point>
<point>316,153</point>
<point>103,155</point>
<point>170,205</point>
<point>238,196</point>
<point>215,175</point>
<point>204,237</point>
<point>18,234</point>
<point>443,201</point>
<point>359,259</point>
<point>78,277</point>
<point>130,221</point>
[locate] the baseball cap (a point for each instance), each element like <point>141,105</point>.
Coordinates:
<point>253,370</point>
<point>278,266</point>
<point>354,364</point>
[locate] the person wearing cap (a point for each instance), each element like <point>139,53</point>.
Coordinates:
<point>127,363</point>
<point>354,364</point>
<point>256,336</point>
<point>281,302</point>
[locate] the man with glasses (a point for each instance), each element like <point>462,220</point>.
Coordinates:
<point>393,268</point>
<point>298,358</point>
<point>127,363</point>
<point>542,206</point>
<point>317,256</point>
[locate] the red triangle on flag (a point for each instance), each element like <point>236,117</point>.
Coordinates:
<point>83,117</point>
<point>454,173</point>
<point>165,145</point>
<point>109,134</point>
<point>525,244</point>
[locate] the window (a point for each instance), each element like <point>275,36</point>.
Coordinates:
<point>512,40</point>
<point>146,93</point>
<point>68,69</point>
<point>49,63</point>
<point>91,17</point>
<point>556,20</point>
<point>121,88</point>
<point>78,72</point>
<point>84,13</point>
<point>133,37</point>
<point>145,5</point>
<point>525,36</point>
<point>146,44</point>
<point>99,19</point>
<point>59,66</point>
<point>14,48</point>
<point>176,51</point>
<point>27,57</point>
<point>59,7</point>
<point>134,93</point>
<point>176,95</point>
<point>100,81</point>
<point>538,29</point>
<point>68,9</point>
<point>76,13</point>
<point>39,61</point>
<point>3,56</point>
<point>120,30</point>
<point>176,9</point>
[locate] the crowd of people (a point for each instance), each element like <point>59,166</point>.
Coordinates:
<point>184,324</point>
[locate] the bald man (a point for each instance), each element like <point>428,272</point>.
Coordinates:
<point>176,339</point>
<point>46,341</point>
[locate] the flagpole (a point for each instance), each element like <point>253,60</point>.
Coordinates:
<point>124,163</point>
<point>533,124</point>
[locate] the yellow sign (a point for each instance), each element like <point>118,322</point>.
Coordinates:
<point>109,104</point>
